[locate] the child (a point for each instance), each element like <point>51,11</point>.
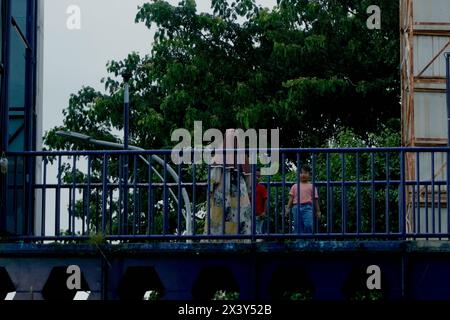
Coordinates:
<point>303,212</point>
<point>261,203</point>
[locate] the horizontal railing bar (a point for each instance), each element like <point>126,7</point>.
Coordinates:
<point>277,184</point>
<point>112,185</point>
<point>236,237</point>
<point>284,150</point>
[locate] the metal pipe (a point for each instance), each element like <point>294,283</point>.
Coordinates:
<point>159,160</point>
<point>126,117</point>
<point>126,129</point>
<point>29,133</point>
<point>20,34</point>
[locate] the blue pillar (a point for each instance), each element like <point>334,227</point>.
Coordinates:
<point>6,30</point>
<point>30,128</point>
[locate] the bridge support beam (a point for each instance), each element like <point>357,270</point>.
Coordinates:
<point>316,270</point>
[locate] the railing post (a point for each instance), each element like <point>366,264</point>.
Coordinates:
<point>73,192</point>
<point>358,194</point>
<point>150,208</point>
<point>447,64</point>
<point>224,191</point>
<point>194,196</point>
<point>208,203</point>
<point>448,192</point>
<point>238,186</point>
<point>44,202</point>
<point>283,195</point>
<point>253,164</point>
<point>403,194</point>
<point>343,197</point>
<point>135,197</point>
<point>316,221</point>
<point>125,194</point>
<point>104,191</point>
<point>329,197</point>
<point>58,200</point>
<point>88,195</point>
<point>296,215</point>
<point>387,222</point>
<point>179,233</point>
<point>447,59</point>
<point>165,200</point>
<point>29,194</point>
<point>126,128</point>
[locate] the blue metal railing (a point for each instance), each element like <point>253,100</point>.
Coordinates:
<point>374,193</point>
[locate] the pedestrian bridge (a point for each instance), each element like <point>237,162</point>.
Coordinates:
<point>134,223</point>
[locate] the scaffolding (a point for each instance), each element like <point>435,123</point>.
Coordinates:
<point>425,39</point>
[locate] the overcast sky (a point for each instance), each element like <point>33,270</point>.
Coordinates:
<point>73,58</point>
<point>76,58</point>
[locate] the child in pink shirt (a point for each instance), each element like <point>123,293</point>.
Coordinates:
<point>303,211</point>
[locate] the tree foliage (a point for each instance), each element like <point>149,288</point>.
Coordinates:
<point>307,67</point>
<point>361,205</point>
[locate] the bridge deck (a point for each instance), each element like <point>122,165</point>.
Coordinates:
<point>319,270</point>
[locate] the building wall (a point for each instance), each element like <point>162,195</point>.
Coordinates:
<point>21,105</point>
<point>425,37</point>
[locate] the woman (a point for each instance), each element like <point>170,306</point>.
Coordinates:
<point>226,186</point>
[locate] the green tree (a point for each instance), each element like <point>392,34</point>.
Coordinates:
<point>306,67</point>
<point>340,202</point>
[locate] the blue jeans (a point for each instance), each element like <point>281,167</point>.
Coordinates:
<point>260,225</point>
<point>302,218</point>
